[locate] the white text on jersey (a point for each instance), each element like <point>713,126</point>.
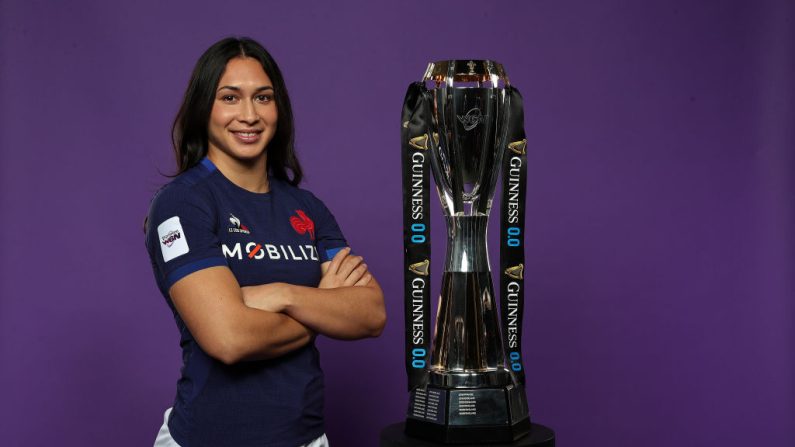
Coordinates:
<point>254,250</point>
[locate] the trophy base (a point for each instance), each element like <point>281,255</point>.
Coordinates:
<point>394,436</point>
<point>468,415</point>
<point>451,434</point>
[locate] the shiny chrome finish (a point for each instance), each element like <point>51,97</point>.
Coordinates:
<point>469,119</point>
<point>469,116</point>
<point>498,378</point>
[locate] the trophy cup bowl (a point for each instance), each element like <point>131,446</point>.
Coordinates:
<point>469,395</point>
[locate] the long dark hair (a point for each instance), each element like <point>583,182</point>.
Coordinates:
<point>189,132</point>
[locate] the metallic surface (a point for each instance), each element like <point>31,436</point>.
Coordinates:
<point>468,127</point>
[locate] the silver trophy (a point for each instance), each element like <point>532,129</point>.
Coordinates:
<point>470,393</point>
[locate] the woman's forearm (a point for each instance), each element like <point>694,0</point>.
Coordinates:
<point>344,312</point>
<point>263,335</point>
<point>211,304</point>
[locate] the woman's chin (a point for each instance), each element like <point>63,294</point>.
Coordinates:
<point>245,156</point>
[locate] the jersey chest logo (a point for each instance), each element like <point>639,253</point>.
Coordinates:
<point>274,252</point>
<point>236,227</point>
<point>302,224</point>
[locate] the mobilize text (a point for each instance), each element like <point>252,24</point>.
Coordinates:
<point>274,252</point>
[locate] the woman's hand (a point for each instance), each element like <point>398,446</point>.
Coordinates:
<point>271,297</point>
<point>345,270</point>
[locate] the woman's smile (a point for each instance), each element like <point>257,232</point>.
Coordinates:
<point>247,137</point>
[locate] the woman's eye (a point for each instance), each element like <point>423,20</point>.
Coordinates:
<point>228,98</point>
<point>264,98</point>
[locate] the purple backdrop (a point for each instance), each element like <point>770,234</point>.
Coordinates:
<point>659,245</point>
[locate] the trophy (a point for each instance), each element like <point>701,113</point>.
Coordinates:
<point>464,123</point>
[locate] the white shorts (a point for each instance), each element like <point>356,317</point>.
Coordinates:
<point>164,438</point>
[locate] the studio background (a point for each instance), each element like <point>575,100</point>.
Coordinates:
<point>659,242</point>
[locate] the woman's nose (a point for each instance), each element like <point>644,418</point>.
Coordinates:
<point>248,113</point>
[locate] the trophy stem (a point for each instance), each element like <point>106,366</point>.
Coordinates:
<point>467,336</point>
<point>466,244</point>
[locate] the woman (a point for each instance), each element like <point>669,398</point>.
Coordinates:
<point>251,266</point>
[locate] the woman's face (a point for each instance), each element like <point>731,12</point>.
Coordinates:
<point>243,117</point>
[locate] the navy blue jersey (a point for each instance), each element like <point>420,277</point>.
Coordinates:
<point>201,219</point>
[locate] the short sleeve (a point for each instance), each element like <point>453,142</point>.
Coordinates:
<point>180,235</point>
<point>330,239</point>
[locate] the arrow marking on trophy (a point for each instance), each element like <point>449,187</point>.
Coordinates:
<point>519,147</point>
<point>420,268</point>
<point>420,142</point>
<point>515,272</point>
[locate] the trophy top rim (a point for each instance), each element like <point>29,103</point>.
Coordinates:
<point>466,70</point>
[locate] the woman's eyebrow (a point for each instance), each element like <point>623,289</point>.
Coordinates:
<point>237,89</point>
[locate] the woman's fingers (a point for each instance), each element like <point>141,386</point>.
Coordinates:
<point>356,274</point>
<point>347,266</point>
<point>364,280</point>
<point>337,260</point>
<point>345,270</point>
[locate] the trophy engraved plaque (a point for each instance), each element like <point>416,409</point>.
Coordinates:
<point>464,123</point>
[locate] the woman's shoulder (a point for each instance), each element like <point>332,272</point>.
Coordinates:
<point>300,194</point>
<point>189,187</point>
<point>192,178</point>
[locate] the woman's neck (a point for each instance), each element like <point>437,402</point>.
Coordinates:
<point>251,175</point>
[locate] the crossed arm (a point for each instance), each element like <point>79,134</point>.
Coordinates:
<point>232,324</point>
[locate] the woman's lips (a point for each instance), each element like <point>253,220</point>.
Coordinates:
<point>247,137</point>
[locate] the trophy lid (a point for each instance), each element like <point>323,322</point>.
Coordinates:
<point>461,70</point>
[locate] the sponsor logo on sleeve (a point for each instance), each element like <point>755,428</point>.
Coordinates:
<point>172,239</point>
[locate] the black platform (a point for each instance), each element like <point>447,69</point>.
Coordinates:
<point>393,436</point>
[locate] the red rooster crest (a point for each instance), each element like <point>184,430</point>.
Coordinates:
<point>302,223</point>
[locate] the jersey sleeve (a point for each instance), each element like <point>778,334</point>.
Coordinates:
<point>180,235</point>
<point>329,237</point>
